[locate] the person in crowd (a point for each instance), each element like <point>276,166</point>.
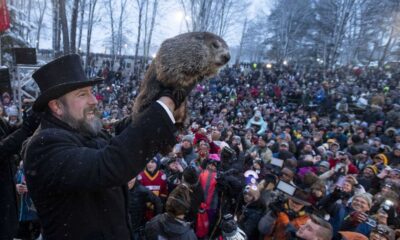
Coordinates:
<point>29,225</point>
<point>208,183</point>
<point>11,140</point>
<point>139,197</point>
<point>188,151</point>
<point>253,210</point>
<point>348,218</point>
<point>315,228</point>
<point>172,224</point>
<point>155,180</point>
<point>285,218</point>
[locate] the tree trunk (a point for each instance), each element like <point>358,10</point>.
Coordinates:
<point>111,13</point>
<point>140,6</point>
<point>92,7</point>
<point>74,20</point>
<point>82,18</point>
<point>56,28</point>
<point>153,20</point>
<point>237,62</point>
<point>64,25</point>
<point>42,10</point>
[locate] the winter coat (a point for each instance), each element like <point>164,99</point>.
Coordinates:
<point>10,144</point>
<point>138,197</point>
<point>277,227</point>
<point>196,198</point>
<point>250,217</point>
<point>78,182</point>
<point>338,213</point>
<point>164,226</point>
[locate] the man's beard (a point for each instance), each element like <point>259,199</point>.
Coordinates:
<point>87,126</point>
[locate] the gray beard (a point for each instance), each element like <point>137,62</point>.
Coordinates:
<point>88,127</point>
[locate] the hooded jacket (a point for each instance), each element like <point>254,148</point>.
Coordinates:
<point>164,226</point>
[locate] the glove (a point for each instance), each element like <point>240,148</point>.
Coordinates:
<point>178,94</point>
<point>275,208</point>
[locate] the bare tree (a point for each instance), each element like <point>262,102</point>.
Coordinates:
<point>92,7</point>
<point>149,38</point>
<point>241,42</point>
<point>140,5</point>
<point>120,36</point>
<point>41,7</point>
<point>56,40</point>
<point>82,18</point>
<point>111,14</point>
<point>64,25</point>
<point>74,20</point>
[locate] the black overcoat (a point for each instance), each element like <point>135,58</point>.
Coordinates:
<point>78,183</point>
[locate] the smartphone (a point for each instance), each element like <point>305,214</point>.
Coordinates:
<point>286,188</point>
<point>340,181</point>
<point>277,162</point>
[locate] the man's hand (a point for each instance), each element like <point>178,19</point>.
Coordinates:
<point>357,217</point>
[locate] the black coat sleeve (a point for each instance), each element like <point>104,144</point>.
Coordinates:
<point>56,160</point>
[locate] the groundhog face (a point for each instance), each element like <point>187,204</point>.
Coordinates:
<point>190,57</point>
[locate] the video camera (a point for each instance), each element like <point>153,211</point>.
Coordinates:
<point>230,229</point>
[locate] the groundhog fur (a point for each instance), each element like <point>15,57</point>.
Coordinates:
<point>182,61</point>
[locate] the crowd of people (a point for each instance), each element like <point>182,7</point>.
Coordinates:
<point>266,153</point>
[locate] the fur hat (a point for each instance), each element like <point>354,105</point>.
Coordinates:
<point>178,202</point>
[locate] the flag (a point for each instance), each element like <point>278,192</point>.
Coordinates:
<point>4,16</point>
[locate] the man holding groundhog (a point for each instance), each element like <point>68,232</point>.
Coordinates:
<point>75,173</point>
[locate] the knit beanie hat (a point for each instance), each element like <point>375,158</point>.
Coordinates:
<point>373,168</point>
<point>190,176</point>
<point>253,191</point>
<point>383,158</point>
<point>366,196</point>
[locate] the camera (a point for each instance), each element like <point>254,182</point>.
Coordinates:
<point>230,229</point>
<point>387,204</point>
<point>371,222</point>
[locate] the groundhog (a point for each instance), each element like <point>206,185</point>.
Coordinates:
<point>180,63</point>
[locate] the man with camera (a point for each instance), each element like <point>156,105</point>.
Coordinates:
<point>349,218</point>
<point>285,216</point>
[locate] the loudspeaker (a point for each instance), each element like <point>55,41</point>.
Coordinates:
<point>5,84</point>
<point>24,55</point>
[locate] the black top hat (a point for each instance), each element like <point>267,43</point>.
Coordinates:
<point>58,77</point>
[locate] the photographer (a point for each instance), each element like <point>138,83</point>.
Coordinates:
<point>285,216</point>
<point>253,210</point>
<point>348,218</point>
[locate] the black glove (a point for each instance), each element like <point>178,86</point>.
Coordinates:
<point>31,122</point>
<point>275,207</point>
<point>178,94</point>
